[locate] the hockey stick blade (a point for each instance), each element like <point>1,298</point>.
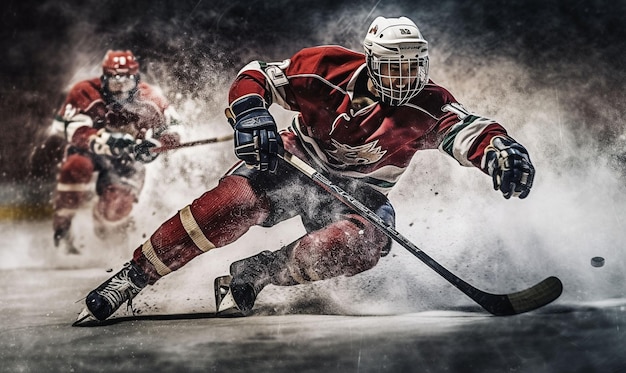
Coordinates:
<point>523,301</point>
<point>535,297</point>
<point>510,304</point>
<point>497,304</point>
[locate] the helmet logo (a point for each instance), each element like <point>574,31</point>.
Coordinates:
<point>405,31</point>
<point>120,63</point>
<point>373,30</point>
<point>121,60</point>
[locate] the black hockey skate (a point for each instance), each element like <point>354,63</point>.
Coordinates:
<point>108,297</point>
<point>63,239</point>
<point>224,303</point>
<point>236,294</point>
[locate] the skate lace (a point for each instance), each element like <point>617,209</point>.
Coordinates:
<point>120,289</point>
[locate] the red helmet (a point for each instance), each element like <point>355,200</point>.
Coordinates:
<point>120,63</point>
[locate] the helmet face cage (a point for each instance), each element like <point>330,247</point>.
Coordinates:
<point>119,88</point>
<point>398,80</point>
<point>121,83</point>
<point>396,55</point>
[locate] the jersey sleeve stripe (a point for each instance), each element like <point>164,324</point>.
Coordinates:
<point>459,140</point>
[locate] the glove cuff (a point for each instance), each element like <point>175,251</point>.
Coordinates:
<point>247,103</point>
<point>496,144</point>
<point>98,142</point>
<point>500,143</point>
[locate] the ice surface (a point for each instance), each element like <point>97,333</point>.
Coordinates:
<point>399,316</point>
<point>396,317</point>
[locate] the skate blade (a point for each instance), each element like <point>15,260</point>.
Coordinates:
<point>224,301</point>
<point>67,246</point>
<point>85,317</point>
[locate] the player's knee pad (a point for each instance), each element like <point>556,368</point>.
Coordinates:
<point>346,247</point>
<point>76,169</point>
<point>104,226</point>
<point>374,236</point>
<point>115,203</point>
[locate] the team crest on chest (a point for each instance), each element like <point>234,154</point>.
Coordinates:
<point>357,155</point>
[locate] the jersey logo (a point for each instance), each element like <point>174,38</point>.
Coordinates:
<point>357,155</point>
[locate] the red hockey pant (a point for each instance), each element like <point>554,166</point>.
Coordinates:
<point>346,246</point>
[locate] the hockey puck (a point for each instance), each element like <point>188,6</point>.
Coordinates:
<point>597,261</point>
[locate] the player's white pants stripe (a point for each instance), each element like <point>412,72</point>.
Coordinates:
<point>194,231</point>
<point>65,212</point>
<point>148,251</point>
<point>61,187</point>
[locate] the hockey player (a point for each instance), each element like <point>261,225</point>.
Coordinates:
<point>361,118</point>
<point>110,123</point>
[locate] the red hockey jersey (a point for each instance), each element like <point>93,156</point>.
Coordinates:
<point>373,142</point>
<point>85,111</point>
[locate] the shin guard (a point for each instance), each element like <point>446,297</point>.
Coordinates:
<point>217,218</point>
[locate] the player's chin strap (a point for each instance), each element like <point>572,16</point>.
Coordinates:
<point>497,304</point>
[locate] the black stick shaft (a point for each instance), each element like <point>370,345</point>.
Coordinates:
<point>510,304</point>
<point>212,140</point>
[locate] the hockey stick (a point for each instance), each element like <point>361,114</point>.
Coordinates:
<point>212,140</point>
<point>497,304</point>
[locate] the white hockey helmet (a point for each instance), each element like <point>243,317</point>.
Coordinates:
<point>397,59</point>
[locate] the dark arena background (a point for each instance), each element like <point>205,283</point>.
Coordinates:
<point>194,48</point>
<point>553,72</point>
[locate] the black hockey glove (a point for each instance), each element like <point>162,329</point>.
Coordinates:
<point>143,152</point>
<point>115,144</point>
<point>509,165</point>
<point>257,141</point>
